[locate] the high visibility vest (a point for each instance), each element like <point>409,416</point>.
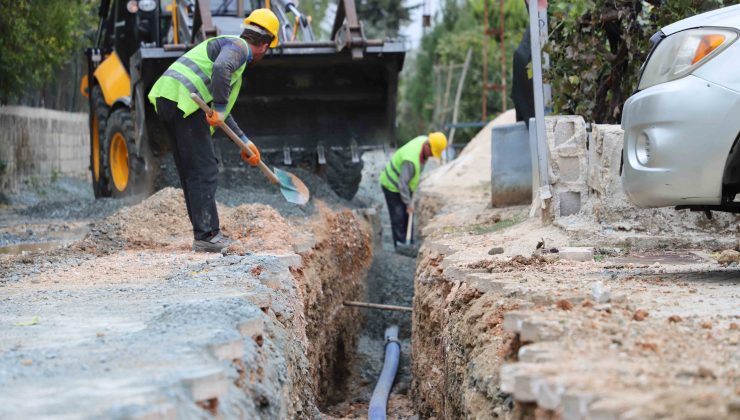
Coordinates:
<point>411,152</point>
<point>192,73</point>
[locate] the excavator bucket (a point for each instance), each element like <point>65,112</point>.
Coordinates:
<point>310,97</point>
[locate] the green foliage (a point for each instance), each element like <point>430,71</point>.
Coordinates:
<point>382,18</point>
<point>598,46</point>
<point>460,28</point>
<point>38,38</point>
<point>317,10</point>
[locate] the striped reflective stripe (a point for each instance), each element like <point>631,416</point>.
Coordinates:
<point>391,180</point>
<point>197,70</point>
<point>182,79</point>
<point>396,171</point>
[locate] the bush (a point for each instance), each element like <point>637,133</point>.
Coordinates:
<point>598,46</point>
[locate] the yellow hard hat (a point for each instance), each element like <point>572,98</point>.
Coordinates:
<point>438,143</point>
<point>267,20</point>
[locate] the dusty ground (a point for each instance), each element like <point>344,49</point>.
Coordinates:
<point>120,319</point>
<point>505,328</point>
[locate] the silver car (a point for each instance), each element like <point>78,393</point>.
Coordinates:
<point>681,128</point>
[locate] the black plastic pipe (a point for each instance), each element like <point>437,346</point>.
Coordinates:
<point>379,401</point>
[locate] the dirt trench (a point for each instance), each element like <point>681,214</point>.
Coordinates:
<point>259,332</point>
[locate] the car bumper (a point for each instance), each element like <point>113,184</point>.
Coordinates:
<point>691,125</point>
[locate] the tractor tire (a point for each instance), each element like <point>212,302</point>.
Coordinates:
<point>99,110</point>
<point>342,175</point>
<point>123,169</point>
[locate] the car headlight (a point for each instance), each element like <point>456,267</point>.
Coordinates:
<point>683,52</point>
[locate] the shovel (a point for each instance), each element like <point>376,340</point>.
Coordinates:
<point>292,188</point>
<point>408,249</point>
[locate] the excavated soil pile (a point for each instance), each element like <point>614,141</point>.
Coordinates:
<point>161,222</point>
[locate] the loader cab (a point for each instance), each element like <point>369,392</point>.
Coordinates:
<point>127,25</point>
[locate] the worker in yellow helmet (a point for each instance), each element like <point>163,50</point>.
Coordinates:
<point>213,69</point>
<point>400,178</point>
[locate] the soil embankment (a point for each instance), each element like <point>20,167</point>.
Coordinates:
<point>511,322</point>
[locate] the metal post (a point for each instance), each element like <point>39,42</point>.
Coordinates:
<point>484,100</point>
<point>544,195</point>
<point>458,94</point>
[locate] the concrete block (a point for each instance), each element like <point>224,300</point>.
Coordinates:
<point>165,411</point>
<point>527,386</point>
<point>576,253</point>
<point>291,260</point>
<point>251,327</point>
<point>550,394</point>
<point>570,203</point>
<point>508,374</point>
<point>304,245</point>
<point>437,248</point>
<point>535,331</point>
<point>261,300</point>
<point>206,384</point>
<point>513,320</point>
<point>535,353</point>
<point>511,165</point>
<point>575,405</point>
<point>484,284</point>
<point>228,350</point>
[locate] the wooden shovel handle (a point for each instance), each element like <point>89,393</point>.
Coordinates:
<point>234,138</point>
<point>409,228</point>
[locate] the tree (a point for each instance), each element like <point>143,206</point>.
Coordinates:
<point>39,37</point>
<point>598,46</point>
<point>382,18</point>
<point>459,28</point>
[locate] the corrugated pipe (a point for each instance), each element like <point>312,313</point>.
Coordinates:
<point>379,401</point>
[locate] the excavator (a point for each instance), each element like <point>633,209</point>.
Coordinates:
<point>314,103</point>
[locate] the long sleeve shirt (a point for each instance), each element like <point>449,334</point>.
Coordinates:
<point>227,54</point>
<point>407,173</point>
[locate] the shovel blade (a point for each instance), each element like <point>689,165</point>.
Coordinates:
<point>292,188</point>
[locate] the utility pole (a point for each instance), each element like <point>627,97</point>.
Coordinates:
<point>544,194</point>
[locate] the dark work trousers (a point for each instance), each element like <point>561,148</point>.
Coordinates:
<point>196,165</point>
<point>399,217</point>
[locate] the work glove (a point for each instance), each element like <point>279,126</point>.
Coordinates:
<point>255,159</point>
<point>216,117</point>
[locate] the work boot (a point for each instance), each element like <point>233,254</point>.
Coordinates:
<point>215,244</point>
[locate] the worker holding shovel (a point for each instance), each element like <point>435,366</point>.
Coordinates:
<point>212,70</point>
<point>400,179</point>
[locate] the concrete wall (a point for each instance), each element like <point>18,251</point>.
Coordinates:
<point>38,145</point>
<point>586,183</point>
